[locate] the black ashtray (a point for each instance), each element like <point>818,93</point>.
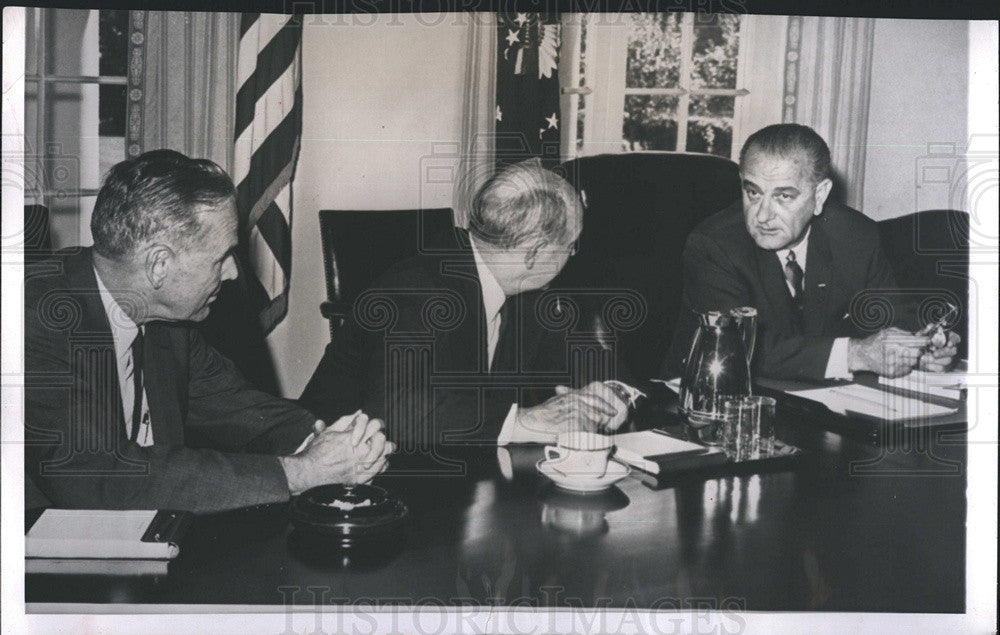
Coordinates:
<point>318,520</point>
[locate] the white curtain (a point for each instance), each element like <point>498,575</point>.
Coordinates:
<point>828,87</point>
<point>182,77</point>
<point>476,161</point>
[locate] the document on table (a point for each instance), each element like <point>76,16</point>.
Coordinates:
<point>948,385</point>
<point>872,402</point>
<point>101,533</point>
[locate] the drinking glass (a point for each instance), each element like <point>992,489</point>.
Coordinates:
<point>748,427</point>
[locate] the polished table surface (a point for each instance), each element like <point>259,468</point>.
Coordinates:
<point>850,526</point>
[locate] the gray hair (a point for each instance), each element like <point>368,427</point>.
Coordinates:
<point>524,201</point>
<point>159,193</point>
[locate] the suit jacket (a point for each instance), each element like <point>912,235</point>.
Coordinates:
<point>414,353</point>
<point>847,282</point>
<point>215,437</point>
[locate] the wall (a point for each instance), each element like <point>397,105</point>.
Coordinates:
<point>382,108</point>
<point>919,97</point>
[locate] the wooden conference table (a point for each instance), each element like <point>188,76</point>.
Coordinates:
<point>851,526</point>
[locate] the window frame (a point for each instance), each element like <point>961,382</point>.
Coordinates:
<point>41,80</point>
<point>604,87</point>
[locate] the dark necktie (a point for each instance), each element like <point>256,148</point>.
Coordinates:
<point>137,385</point>
<point>505,355</point>
<point>794,275</point>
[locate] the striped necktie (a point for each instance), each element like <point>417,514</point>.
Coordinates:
<point>794,276</point>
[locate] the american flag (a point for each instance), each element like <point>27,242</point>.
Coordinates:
<point>268,133</point>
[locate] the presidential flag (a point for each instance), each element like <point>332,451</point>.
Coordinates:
<point>268,131</point>
<point>527,109</point>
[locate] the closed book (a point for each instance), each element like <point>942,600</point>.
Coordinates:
<point>656,452</point>
<point>99,533</point>
<point>96,566</point>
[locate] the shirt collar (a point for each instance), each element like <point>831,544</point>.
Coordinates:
<point>800,251</point>
<point>493,295</point>
<point>123,329</point>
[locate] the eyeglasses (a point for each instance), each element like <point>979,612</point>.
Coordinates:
<point>574,247</point>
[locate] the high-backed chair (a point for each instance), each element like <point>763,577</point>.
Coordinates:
<point>929,252</point>
<point>360,245</point>
<point>37,234</point>
<point>640,209</point>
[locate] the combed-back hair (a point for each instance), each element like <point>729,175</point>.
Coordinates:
<point>522,202</point>
<point>788,139</point>
<point>158,194</point>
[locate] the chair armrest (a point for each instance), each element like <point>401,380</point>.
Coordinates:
<point>335,310</point>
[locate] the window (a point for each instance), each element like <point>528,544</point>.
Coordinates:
<point>653,81</point>
<point>75,65</point>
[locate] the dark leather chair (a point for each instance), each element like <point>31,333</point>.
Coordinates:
<point>37,234</point>
<point>360,245</point>
<point>640,209</point>
<point>929,252</point>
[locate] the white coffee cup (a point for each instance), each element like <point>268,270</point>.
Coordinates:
<point>579,453</point>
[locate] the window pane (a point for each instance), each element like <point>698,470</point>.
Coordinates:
<point>32,182</point>
<point>716,45</point>
<point>113,45</point>
<point>112,111</point>
<point>69,160</point>
<point>710,126</point>
<point>70,42</point>
<point>112,150</point>
<point>650,122</point>
<point>654,45</point>
<point>30,44</point>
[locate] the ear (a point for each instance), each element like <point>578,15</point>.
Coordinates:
<point>822,192</point>
<point>159,258</point>
<point>531,255</point>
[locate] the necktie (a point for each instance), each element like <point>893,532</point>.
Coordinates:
<point>137,385</point>
<point>794,275</point>
<point>505,355</point>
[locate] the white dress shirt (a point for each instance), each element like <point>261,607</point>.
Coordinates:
<point>493,299</point>
<point>836,364</point>
<point>124,332</point>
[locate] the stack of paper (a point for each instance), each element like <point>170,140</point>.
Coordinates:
<point>948,385</point>
<point>655,451</point>
<point>104,542</point>
<point>872,402</point>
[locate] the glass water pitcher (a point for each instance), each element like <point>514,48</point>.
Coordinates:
<point>717,366</point>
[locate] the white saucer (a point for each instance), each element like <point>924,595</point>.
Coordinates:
<point>616,472</point>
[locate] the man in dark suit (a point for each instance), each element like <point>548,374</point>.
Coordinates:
<point>127,406</point>
<point>465,346</point>
<point>812,268</point>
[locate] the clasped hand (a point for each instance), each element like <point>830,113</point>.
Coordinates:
<point>353,450</point>
<point>893,352</point>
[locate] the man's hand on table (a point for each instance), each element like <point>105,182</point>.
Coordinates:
<point>590,408</point>
<point>943,348</point>
<point>352,450</point>
<point>891,352</point>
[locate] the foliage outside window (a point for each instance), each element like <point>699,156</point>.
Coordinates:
<point>679,80</point>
